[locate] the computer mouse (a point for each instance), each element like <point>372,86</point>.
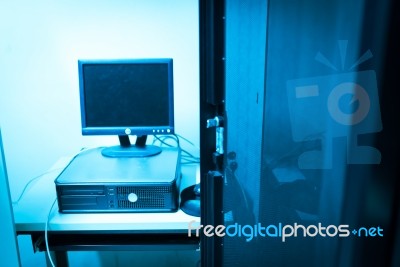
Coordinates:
<point>190,200</point>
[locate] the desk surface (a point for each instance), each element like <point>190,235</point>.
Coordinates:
<point>33,210</point>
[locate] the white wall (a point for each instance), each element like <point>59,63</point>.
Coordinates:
<point>40,43</point>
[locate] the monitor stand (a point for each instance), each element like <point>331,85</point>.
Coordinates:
<point>127,150</point>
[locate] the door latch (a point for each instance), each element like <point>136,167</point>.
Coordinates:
<point>218,123</point>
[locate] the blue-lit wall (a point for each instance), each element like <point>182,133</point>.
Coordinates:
<point>40,44</point>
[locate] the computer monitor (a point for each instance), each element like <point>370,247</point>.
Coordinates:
<point>127,97</point>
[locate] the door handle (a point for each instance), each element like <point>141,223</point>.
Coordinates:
<point>218,123</point>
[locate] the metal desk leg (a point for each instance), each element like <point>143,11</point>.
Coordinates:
<point>60,259</point>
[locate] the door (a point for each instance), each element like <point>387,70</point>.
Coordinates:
<point>311,134</point>
<point>212,124</point>
<point>8,244</point>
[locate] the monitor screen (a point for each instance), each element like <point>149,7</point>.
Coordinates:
<point>126,97</point>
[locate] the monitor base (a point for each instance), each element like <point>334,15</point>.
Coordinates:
<point>131,151</point>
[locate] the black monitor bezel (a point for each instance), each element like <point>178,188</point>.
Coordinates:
<point>127,129</point>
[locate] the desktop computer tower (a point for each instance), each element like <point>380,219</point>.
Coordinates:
<point>94,183</point>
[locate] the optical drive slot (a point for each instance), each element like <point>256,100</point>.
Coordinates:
<point>83,190</point>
